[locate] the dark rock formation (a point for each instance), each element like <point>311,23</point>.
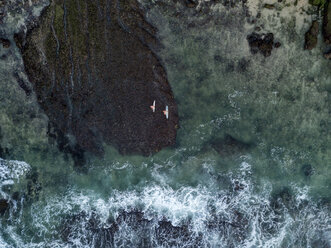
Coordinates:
<point>191,3</point>
<point>269,6</point>
<point>148,232</point>
<point>277,44</point>
<point>5,42</point>
<point>262,43</point>
<point>229,146</point>
<point>95,233</point>
<point>93,67</point>
<point>311,36</point>
<point>3,206</point>
<point>327,23</point>
<point>307,170</point>
<point>327,55</point>
<point>168,235</point>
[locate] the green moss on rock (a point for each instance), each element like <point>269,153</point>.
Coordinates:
<point>320,3</point>
<point>95,75</point>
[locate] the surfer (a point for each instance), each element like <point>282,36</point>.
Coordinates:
<point>166,112</point>
<point>153,106</point>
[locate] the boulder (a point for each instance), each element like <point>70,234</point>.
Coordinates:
<point>262,43</point>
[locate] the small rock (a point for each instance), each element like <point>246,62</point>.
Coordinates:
<point>3,206</point>
<point>238,186</point>
<point>269,6</point>
<point>311,36</point>
<point>327,55</point>
<point>5,42</point>
<point>191,3</point>
<point>277,44</point>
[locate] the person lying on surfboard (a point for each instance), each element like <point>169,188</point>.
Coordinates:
<point>166,112</point>
<point>153,106</point>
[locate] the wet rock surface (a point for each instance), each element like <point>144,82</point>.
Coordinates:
<point>98,235</point>
<point>327,23</point>
<point>311,36</point>
<point>263,43</point>
<point>149,232</point>
<point>4,205</point>
<point>5,42</point>
<point>191,3</point>
<point>327,55</point>
<point>95,73</point>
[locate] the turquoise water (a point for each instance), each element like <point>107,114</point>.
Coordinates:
<point>276,193</point>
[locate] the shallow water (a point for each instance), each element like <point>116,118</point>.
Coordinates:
<point>274,194</point>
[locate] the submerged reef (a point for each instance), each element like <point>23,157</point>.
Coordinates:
<point>262,43</point>
<point>95,72</point>
<point>311,36</point>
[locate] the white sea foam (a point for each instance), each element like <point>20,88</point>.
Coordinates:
<point>11,170</point>
<point>236,216</point>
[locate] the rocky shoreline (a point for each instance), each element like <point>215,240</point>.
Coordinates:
<point>95,74</point>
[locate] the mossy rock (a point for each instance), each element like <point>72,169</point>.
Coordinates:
<point>320,3</point>
<point>95,74</point>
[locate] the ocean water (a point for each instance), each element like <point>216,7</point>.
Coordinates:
<point>276,193</point>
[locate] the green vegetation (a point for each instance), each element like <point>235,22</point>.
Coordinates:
<point>320,3</point>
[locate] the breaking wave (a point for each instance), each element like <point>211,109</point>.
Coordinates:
<point>160,216</point>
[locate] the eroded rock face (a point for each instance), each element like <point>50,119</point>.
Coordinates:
<point>327,23</point>
<point>95,73</point>
<point>311,36</point>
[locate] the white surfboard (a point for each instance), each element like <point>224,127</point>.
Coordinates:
<point>153,106</point>
<point>166,112</point>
